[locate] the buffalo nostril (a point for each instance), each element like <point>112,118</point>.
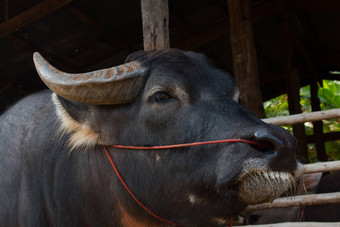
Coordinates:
<point>266,147</point>
<point>272,142</point>
<point>281,148</point>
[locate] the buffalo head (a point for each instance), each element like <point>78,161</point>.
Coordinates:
<point>172,97</point>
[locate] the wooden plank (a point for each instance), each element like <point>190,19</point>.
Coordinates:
<point>329,136</point>
<point>293,90</point>
<point>244,58</point>
<point>306,117</point>
<point>155,16</point>
<point>299,224</point>
<point>30,15</point>
<point>322,167</point>
<point>300,200</point>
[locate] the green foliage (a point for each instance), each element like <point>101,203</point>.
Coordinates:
<point>277,106</point>
<point>329,95</point>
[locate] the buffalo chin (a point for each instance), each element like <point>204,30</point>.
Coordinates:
<point>264,186</point>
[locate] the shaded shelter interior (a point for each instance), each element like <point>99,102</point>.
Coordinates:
<point>84,35</point>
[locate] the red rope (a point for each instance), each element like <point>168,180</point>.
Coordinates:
<point>301,215</point>
<point>168,147</point>
<point>133,196</point>
<point>188,144</point>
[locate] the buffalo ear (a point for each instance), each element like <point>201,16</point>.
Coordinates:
<point>116,85</point>
<point>76,110</point>
<point>74,121</point>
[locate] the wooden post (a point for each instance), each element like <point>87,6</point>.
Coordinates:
<point>244,56</point>
<point>155,16</point>
<point>317,126</point>
<point>293,90</point>
<point>315,78</point>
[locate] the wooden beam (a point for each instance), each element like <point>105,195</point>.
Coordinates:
<point>179,23</point>
<point>244,58</point>
<point>300,200</point>
<point>321,167</point>
<point>86,19</point>
<point>220,30</point>
<point>28,16</point>
<point>196,40</point>
<point>186,30</point>
<point>6,10</point>
<point>265,9</point>
<point>297,42</point>
<point>155,16</point>
<point>306,117</point>
<point>317,125</point>
<point>298,224</point>
<point>293,91</point>
<point>317,5</point>
<point>315,78</point>
<point>329,136</point>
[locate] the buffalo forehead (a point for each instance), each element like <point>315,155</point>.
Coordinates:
<point>195,78</point>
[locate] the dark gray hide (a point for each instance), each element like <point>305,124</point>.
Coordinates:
<point>54,172</point>
<point>314,183</point>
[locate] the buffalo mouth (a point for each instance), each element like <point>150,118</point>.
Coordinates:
<point>264,186</point>
<point>261,184</point>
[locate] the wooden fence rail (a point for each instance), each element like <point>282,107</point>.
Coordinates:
<point>305,200</point>
<point>322,167</point>
<point>305,117</point>
<point>299,224</point>
<point>300,200</point>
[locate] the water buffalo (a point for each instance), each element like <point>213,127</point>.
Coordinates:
<point>54,170</point>
<point>309,184</point>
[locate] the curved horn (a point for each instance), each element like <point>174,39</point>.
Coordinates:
<point>115,85</point>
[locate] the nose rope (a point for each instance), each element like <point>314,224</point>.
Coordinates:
<point>168,147</point>
<point>188,144</point>
<point>133,196</point>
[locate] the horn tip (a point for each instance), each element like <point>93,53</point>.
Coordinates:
<point>36,57</point>
<point>36,54</point>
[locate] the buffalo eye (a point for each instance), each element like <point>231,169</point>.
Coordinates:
<point>160,97</point>
<point>240,101</point>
